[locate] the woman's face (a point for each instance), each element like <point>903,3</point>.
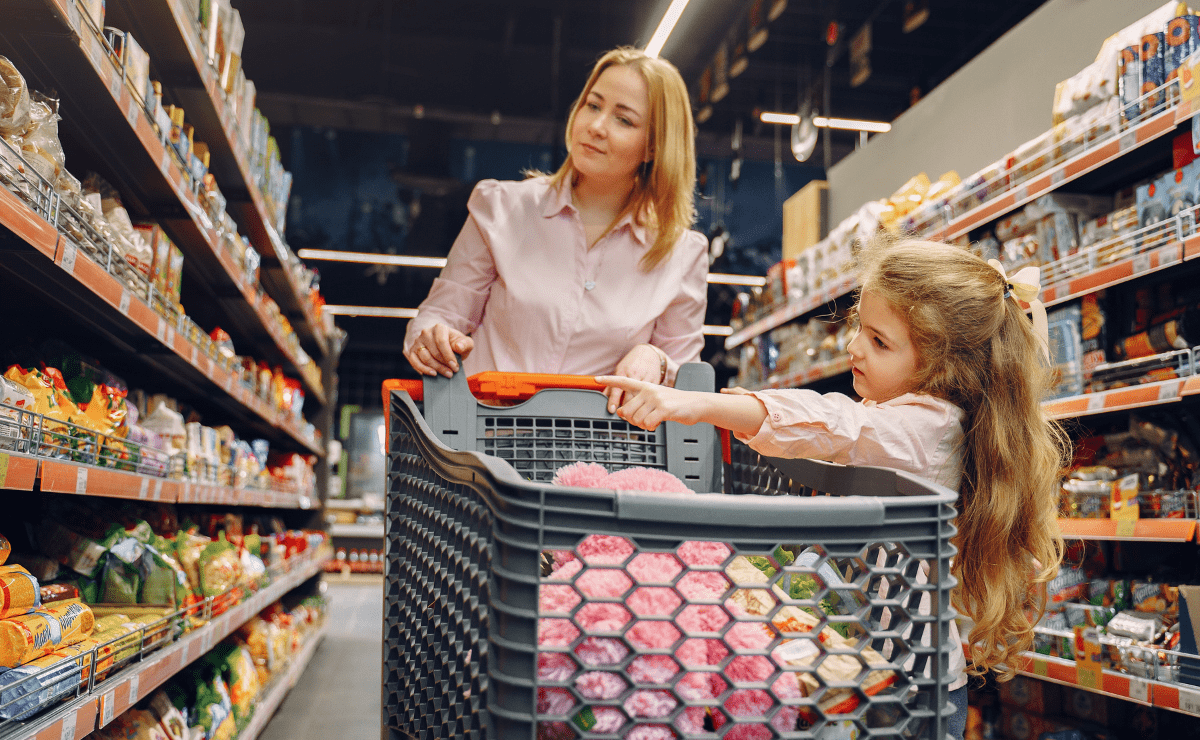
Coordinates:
<point>610,134</point>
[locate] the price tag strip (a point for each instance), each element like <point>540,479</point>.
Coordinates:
<point>1189,700</point>
<point>106,708</point>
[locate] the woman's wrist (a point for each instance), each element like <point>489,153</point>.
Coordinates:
<point>662,360</point>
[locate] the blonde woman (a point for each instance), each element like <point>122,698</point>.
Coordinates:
<point>592,270</point>
<point>952,374</point>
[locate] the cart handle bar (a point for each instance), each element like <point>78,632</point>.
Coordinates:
<point>496,386</point>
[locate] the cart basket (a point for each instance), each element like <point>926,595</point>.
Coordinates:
<point>515,608</point>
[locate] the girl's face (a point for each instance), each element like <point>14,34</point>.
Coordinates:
<point>610,134</point>
<point>882,356</point>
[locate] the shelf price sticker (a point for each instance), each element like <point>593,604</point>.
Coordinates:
<point>68,258</point>
<point>1189,700</point>
<point>68,727</point>
<point>144,489</point>
<point>1128,141</point>
<point>1169,391</point>
<point>1096,402</point>
<point>196,357</point>
<point>1126,527</point>
<point>81,476</point>
<point>1021,193</point>
<point>1139,689</point>
<point>116,84</point>
<point>131,113</point>
<point>106,708</point>
<point>1170,254</point>
<point>1058,177</point>
<point>164,162</point>
<point>1040,667</point>
<point>133,689</point>
<point>170,341</point>
<point>1088,668</point>
<point>73,16</point>
<point>123,306</point>
<point>1141,263</point>
<point>161,332</point>
<point>158,486</point>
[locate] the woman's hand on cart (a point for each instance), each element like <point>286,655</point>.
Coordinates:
<point>435,348</point>
<point>643,362</point>
<point>648,404</point>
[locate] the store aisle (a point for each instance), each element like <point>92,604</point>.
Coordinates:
<point>338,695</point>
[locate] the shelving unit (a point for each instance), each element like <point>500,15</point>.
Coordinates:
<point>94,709</point>
<point>56,266</point>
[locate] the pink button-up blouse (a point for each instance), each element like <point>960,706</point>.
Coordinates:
<point>521,281</point>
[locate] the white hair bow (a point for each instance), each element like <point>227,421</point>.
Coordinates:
<point>1026,285</point>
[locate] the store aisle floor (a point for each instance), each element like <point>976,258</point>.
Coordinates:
<point>338,695</point>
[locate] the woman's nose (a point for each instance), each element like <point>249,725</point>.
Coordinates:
<point>597,127</point>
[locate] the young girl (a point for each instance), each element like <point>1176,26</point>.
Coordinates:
<point>951,373</point>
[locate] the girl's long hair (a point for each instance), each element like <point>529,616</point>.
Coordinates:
<point>977,349</point>
<point>662,198</point>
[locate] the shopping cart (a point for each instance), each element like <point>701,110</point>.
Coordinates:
<point>515,608</point>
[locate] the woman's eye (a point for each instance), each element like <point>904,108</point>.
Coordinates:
<point>625,121</point>
<point>593,106</point>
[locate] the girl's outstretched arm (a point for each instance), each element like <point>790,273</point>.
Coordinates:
<point>647,405</point>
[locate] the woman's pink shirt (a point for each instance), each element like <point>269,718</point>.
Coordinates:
<point>522,282</point>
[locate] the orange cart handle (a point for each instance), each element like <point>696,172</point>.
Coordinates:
<point>494,385</point>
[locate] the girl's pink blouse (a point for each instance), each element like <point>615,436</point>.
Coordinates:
<point>522,282</point>
<point>914,432</point>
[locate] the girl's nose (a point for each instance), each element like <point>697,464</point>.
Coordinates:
<point>853,345</point>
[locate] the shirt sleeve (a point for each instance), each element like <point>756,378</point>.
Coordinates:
<point>461,290</point>
<point>805,424</point>
<point>679,330</point>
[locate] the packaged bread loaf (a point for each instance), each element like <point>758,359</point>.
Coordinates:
<point>19,591</point>
<point>14,100</point>
<point>33,635</point>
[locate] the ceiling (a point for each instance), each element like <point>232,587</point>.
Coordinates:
<point>510,70</point>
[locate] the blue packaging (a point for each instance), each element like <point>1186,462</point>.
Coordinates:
<point>1129,82</point>
<point>26,690</point>
<point>1066,350</point>
<point>1182,38</point>
<point>1153,73</point>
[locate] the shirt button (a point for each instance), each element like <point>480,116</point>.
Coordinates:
<point>776,417</point>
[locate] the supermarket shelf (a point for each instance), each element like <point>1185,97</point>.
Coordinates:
<point>115,311</point>
<point>1122,271</point>
<point>786,313</point>
<point>58,476</point>
<point>1093,157</point>
<point>811,375</point>
<point>280,688</point>
<point>1176,697</point>
<point>1123,399</point>
<point>18,472</point>
<point>167,32</point>
<point>102,112</point>
<point>109,698</point>
<point>352,504</point>
<point>356,530</point>
<point>1140,530</point>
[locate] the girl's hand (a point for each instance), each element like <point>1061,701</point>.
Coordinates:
<point>643,362</point>
<point>650,404</point>
<point>434,350</point>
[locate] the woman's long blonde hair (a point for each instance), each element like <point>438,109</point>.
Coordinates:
<point>662,197</point>
<point>977,349</point>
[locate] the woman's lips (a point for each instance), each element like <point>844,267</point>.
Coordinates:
<point>589,147</point>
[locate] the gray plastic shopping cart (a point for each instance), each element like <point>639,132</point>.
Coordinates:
<point>777,606</point>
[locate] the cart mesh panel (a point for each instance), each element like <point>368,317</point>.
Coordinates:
<point>435,604</point>
<point>515,609</point>
<point>538,446</point>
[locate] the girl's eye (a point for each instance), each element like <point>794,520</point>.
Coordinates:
<point>880,343</point>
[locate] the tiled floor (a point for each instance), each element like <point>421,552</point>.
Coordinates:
<point>338,695</point>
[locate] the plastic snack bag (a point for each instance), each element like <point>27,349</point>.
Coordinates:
<point>29,637</point>
<point>14,100</point>
<point>19,591</point>
<point>5,549</point>
<point>219,566</point>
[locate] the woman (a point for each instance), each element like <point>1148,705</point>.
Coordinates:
<point>591,270</point>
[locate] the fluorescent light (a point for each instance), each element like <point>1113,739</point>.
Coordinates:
<point>721,278</point>
<point>378,311</point>
<point>787,119</point>
<point>717,331</point>
<point>371,258</point>
<point>665,26</point>
<point>847,124</point>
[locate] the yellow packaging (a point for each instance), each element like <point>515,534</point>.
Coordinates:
<point>5,549</point>
<point>33,635</point>
<point>1124,506</point>
<point>19,592</point>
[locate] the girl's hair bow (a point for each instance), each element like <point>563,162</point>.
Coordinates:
<point>1025,285</point>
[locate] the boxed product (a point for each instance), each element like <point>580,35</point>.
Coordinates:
<point>1066,350</point>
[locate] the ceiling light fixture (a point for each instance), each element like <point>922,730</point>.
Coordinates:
<point>717,331</point>
<point>371,258</point>
<point>846,124</point>
<point>665,26</point>
<point>720,278</point>
<point>383,312</point>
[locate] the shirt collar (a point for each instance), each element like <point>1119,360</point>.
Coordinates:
<point>559,198</point>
